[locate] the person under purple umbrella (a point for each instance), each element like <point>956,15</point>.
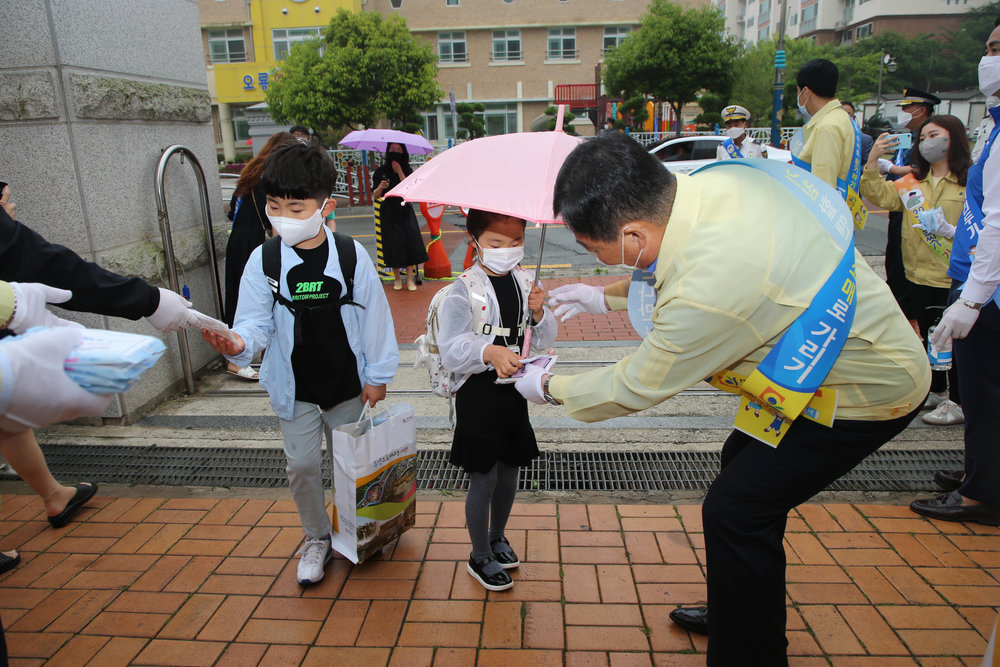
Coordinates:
<point>402,244</point>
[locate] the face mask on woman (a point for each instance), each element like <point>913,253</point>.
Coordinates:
<point>934,148</point>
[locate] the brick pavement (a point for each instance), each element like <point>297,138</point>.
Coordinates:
<point>203,581</point>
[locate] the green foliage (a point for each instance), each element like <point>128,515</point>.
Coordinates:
<point>362,69</point>
<point>470,126</point>
<point>673,55</point>
<point>553,114</point>
<point>637,111</point>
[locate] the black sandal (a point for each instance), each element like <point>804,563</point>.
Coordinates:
<point>84,492</point>
<point>8,562</point>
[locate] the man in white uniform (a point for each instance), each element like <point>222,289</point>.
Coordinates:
<point>737,143</point>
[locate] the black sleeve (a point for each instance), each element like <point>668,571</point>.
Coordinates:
<point>27,257</point>
<point>377,176</point>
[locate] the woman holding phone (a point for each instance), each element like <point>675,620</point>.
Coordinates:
<point>402,244</point>
<point>932,197</point>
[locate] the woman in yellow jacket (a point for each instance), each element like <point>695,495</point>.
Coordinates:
<point>934,200</point>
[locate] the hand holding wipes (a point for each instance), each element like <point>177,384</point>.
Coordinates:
<point>530,384</point>
<point>543,361</point>
<point>30,300</point>
<point>173,313</point>
<point>206,323</point>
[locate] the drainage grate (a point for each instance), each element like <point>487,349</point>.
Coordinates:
<point>889,470</point>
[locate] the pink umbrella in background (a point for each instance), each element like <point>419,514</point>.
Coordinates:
<point>511,174</point>
<point>374,139</point>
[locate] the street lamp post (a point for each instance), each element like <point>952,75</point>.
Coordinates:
<point>778,91</point>
<point>889,63</point>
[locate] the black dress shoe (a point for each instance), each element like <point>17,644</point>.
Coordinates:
<point>507,558</point>
<point>694,619</point>
<point>949,507</point>
<point>949,480</point>
<point>500,581</point>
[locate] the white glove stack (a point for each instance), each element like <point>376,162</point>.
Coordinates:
<point>957,322</point>
<point>570,300</point>
<point>35,383</point>
<point>530,385</point>
<point>933,222</point>
<point>173,313</point>
<point>30,300</point>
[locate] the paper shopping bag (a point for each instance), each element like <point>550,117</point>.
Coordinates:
<point>374,481</point>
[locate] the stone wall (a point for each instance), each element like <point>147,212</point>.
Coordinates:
<point>91,93</point>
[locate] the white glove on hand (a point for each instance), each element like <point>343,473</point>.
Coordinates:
<point>530,385</point>
<point>884,166</point>
<point>29,308</point>
<point>42,392</point>
<point>571,300</point>
<point>933,222</point>
<point>173,313</point>
<point>956,322</point>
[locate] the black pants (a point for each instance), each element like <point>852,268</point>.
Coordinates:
<point>895,277</point>
<point>926,304</point>
<point>744,515</point>
<point>978,355</point>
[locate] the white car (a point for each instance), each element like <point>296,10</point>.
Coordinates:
<point>685,154</point>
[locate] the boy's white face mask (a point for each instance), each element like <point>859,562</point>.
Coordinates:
<point>294,231</point>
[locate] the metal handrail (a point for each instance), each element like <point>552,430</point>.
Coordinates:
<point>168,246</point>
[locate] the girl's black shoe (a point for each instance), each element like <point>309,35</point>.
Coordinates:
<point>500,581</point>
<point>507,558</point>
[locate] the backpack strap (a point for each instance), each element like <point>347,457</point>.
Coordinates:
<point>346,254</point>
<point>271,263</point>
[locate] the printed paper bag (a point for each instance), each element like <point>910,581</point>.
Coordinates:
<point>374,481</point>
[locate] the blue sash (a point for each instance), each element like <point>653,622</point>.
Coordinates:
<point>731,148</point>
<point>971,223</point>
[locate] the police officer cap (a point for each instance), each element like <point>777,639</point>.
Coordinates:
<point>735,112</point>
<point>917,96</point>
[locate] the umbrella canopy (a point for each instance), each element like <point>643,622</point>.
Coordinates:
<point>376,140</point>
<point>512,174</point>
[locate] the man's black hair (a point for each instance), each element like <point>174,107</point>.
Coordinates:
<point>299,171</point>
<point>609,181</point>
<point>299,128</point>
<point>820,76</point>
<point>848,103</point>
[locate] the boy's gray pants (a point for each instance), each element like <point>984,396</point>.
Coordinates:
<point>303,444</point>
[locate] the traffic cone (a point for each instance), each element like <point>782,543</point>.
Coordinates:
<point>437,265</point>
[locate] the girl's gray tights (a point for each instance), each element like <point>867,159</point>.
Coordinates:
<point>487,506</point>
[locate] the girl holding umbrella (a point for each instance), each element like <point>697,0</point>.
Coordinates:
<point>402,244</point>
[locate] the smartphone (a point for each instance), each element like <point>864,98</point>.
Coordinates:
<point>905,140</point>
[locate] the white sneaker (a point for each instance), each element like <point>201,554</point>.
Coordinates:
<point>315,554</point>
<point>934,400</point>
<point>946,413</point>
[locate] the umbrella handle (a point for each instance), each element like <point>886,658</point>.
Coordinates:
<point>526,347</point>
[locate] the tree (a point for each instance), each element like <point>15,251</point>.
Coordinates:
<point>470,126</point>
<point>673,55</point>
<point>711,110</point>
<point>553,113</point>
<point>362,69</point>
<point>637,111</point>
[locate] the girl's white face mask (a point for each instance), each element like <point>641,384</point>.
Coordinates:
<point>500,260</point>
<point>294,231</point>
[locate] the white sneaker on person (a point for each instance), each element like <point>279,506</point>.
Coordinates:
<point>314,555</point>
<point>946,413</point>
<point>934,400</point>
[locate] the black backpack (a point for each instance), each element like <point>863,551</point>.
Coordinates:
<point>346,253</point>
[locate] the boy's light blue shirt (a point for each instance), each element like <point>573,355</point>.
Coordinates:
<point>263,323</point>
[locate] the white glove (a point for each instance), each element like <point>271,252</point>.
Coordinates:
<point>884,166</point>
<point>933,222</point>
<point>956,322</point>
<point>173,313</point>
<point>530,384</point>
<point>42,393</point>
<point>571,300</point>
<point>30,300</point>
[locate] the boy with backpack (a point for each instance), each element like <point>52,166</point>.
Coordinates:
<point>313,299</point>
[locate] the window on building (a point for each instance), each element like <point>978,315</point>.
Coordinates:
<point>285,38</point>
<point>451,3</point>
<point>765,9</point>
<point>864,31</point>
<point>396,4</point>
<point>793,19</point>
<point>750,22</point>
<point>808,18</point>
<point>241,128</point>
<point>429,126</point>
<point>763,33</point>
<point>500,118</point>
<point>451,47</point>
<point>227,46</point>
<point>506,45</point>
<point>561,44</point>
<point>613,36</point>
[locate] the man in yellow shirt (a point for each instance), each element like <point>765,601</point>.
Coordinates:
<point>829,136</point>
<point>735,261</point>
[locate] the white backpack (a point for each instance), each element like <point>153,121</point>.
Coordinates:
<point>429,355</point>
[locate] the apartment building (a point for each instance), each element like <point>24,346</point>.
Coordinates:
<point>841,21</point>
<point>244,41</point>
<point>516,57</point>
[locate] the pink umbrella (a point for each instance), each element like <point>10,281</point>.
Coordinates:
<point>374,139</point>
<point>511,174</point>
